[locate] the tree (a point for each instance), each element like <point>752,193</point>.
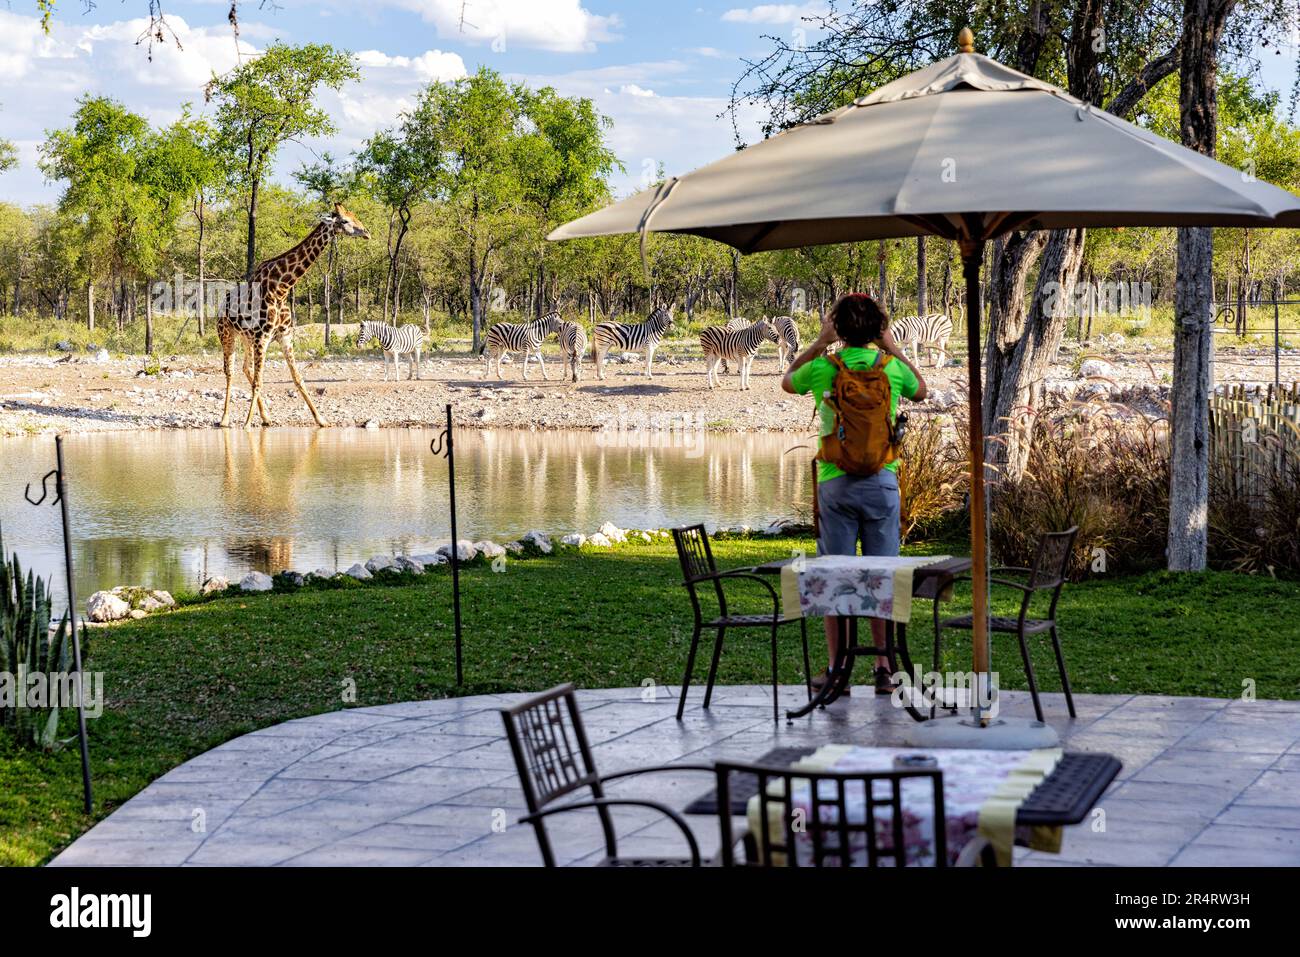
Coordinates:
<point>477,122</point>
<point>329,184</point>
<point>107,203</point>
<point>564,166</point>
<point>267,102</point>
<point>185,171</point>
<point>400,168</point>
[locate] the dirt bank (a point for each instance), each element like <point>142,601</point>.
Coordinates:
<point>77,393</point>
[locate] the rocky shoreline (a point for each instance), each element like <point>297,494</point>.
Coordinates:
<point>97,393</point>
<point>133,602</point>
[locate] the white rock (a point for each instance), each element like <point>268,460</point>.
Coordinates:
<point>371,424</point>
<point>631,357</point>
<point>105,606</point>
<point>485,415</point>
<point>359,572</point>
<point>613,532</point>
<point>214,584</point>
<point>378,563</point>
<point>408,564</point>
<point>576,539</point>
<point>514,548</point>
<point>539,540</point>
<point>256,581</point>
<point>599,540</point>
<point>465,550</point>
<point>322,573</point>
<point>489,549</point>
<point>1095,367</point>
<point>433,558</point>
<point>101,355</point>
<point>138,613</point>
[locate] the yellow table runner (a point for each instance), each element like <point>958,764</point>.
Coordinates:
<point>875,586</point>
<point>996,815</point>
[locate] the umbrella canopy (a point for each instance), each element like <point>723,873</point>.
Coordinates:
<point>968,149</point>
<point>966,135</point>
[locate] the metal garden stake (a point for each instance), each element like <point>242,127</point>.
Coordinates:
<point>443,445</point>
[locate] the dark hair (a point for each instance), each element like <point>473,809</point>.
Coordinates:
<point>858,319</point>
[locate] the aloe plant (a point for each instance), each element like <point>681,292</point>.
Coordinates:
<point>26,644</point>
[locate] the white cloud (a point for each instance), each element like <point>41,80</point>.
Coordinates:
<point>44,76</point>
<point>563,26</point>
<point>711,52</point>
<point>677,131</point>
<point>774,13</point>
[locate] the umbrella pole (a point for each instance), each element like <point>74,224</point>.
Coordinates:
<point>972,254</point>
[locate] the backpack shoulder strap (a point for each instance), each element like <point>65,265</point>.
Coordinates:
<point>835,360</point>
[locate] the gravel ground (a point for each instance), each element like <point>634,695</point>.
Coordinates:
<point>77,393</point>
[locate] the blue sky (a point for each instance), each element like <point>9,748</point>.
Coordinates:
<point>661,70</point>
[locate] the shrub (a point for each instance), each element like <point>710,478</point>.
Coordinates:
<point>1101,467</point>
<point>26,644</point>
<point>932,477</point>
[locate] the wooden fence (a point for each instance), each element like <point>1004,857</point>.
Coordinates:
<point>1255,435</point>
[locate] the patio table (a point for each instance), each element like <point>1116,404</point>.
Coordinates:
<point>860,586</point>
<point>1025,797</point>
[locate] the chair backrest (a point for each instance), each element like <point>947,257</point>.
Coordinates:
<point>1052,560</point>
<point>820,833</point>
<point>697,562</point>
<point>552,756</point>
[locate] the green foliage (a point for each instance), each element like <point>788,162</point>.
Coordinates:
<point>27,648</point>
<point>207,672</point>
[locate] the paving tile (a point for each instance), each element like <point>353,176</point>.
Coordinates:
<point>1251,836</point>
<point>1206,781</point>
<point>1251,815</point>
<point>1274,789</point>
<point>1204,855</point>
<point>355,855</point>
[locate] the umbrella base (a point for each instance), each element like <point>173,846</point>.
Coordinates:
<point>1001,734</point>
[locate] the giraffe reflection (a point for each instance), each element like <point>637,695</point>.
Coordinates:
<point>257,495</point>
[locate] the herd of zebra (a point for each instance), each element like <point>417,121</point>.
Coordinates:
<point>738,341</point>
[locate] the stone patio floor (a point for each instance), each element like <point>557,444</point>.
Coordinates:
<point>1205,782</point>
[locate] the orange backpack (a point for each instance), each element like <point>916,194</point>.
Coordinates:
<point>862,440</point>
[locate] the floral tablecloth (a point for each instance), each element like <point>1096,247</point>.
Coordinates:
<point>981,792</point>
<point>874,586</point>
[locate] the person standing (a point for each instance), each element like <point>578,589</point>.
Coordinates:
<point>858,415</point>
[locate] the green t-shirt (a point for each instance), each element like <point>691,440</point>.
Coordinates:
<point>817,376</point>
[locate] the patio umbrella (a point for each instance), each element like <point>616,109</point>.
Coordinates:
<point>967,149</point>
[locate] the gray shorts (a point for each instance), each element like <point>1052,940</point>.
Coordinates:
<point>857,509</point>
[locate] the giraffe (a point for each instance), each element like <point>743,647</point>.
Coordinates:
<point>265,317</point>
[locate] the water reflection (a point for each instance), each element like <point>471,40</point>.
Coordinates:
<point>171,508</point>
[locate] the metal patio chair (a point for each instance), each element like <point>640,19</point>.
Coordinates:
<point>554,760</point>
<point>1047,574</point>
<point>699,568</point>
<point>831,836</point>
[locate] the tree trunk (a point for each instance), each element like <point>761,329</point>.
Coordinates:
<point>148,325</point>
<point>90,306</point>
<point>329,270</point>
<point>922,294</point>
<point>250,250</point>
<point>1193,375</point>
<point>202,309</point>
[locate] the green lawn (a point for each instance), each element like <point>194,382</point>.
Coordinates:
<point>180,683</point>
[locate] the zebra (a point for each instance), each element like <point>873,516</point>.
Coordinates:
<point>929,332</point>
<point>525,337</point>
<point>404,340</point>
<point>787,343</point>
<point>573,345</point>
<point>642,335</point>
<point>738,322</point>
<point>742,345</point>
